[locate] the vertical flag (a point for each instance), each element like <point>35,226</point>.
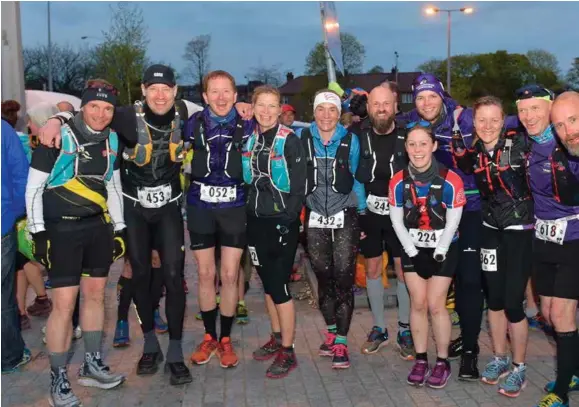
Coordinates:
<point>331,29</point>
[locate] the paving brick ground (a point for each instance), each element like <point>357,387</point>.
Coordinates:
<point>378,380</point>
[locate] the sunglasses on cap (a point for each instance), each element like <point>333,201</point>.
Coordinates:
<point>92,84</point>
<point>421,123</point>
<point>531,91</point>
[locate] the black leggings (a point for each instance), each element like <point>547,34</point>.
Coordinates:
<point>507,257</point>
<point>166,223</point>
<point>272,246</point>
<point>468,285</point>
<point>333,257</point>
<point>125,294</point>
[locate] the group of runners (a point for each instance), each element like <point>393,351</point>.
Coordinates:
<point>448,191</point>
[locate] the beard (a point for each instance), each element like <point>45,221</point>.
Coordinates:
<point>381,125</point>
<point>573,149</point>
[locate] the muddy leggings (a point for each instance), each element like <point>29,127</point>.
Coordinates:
<point>333,257</point>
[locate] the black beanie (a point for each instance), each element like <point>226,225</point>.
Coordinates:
<point>106,94</point>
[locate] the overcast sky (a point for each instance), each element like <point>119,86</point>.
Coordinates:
<point>246,34</point>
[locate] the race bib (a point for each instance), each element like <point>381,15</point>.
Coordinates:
<point>425,238</point>
<point>213,194</point>
<point>253,255</point>
<point>488,259</point>
<point>326,222</point>
<point>378,204</point>
<point>551,230</point>
<point>154,197</point>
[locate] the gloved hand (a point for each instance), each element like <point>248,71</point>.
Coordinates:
<point>423,262</point>
<point>119,248</point>
<point>358,105</point>
<point>41,248</point>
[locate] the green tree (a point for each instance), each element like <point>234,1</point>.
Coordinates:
<point>121,58</point>
<point>353,54</point>
<point>376,69</point>
<point>573,75</point>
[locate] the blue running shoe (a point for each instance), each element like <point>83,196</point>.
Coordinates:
<point>495,370</point>
<point>26,357</point>
<point>160,324</point>
<point>573,386</point>
<point>121,338</point>
<point>48,284</point>
<point>405,344</point>
<point>515,382</point>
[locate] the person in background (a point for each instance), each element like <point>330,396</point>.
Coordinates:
<point>288,115</point>
<point>14,176</point>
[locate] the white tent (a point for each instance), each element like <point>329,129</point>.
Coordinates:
<point>34,97</point>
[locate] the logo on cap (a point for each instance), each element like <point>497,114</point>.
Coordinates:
<point>158,74</point>
<point>422,82</point>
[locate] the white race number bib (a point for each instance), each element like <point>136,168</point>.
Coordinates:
<point>213,194</point>
<point>154,197</point>
<point>425,238</point>
<point>378,204</point>
<point>326,222</point>
<point>551,230</point>
<point>253,255</point>
<point>488,259</point>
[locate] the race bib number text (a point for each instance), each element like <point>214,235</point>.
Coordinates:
<point>213,194</point>
<point>154,197</point>
<point>488,259</point>
<point>551,230</point>
<point>425,238</point>
<point>378,204</point>
<point>253,255</point>
<point>326,222</point>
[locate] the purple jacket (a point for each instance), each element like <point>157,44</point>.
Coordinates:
<point>443,154</point>
<point>218,136</point>
<point>546,207</point>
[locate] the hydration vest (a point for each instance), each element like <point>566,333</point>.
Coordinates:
<point>67,163</point>
<point>142,152</point>
<point>565,183</point>
<point>200,166</point>
<point>413,208</point>
<point>278,168</point>
<point>367,165</point>
<point>500,172</point>
<point>343,180</point>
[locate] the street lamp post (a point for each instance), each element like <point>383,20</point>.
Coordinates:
<point>435,10</point>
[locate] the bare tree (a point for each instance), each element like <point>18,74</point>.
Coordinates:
<point>70,68</point>
<point>268,75</point>
<point>122,59</point>
<point>197,57</point>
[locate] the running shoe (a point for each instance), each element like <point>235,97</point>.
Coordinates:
<point>40,308</point>
<point>242,314</point>
<point>47,284</point>
<point>573,386</point>
<point>267,351</point>
<point>552,400</point>
<point>468,366</point>
<point>495,370</point>
<point>94,373</point>
<point>536,322</point>
<point>455,319</point>
<point>283,364</point>
<point>149,363</point>
<point>439,376</point>
<point>161,326</point>
<point>180,373</point>
<point>61,394</point>
<point>121,338</point>
<point>419,373</point>
<point>26,357</point>
<point>515,382</point>
<point>326,348</point>
<point>405,344</point>
<point>455,348</point>
<point>226,354</point>
<point>376,339</point>
<point>205,350</point>
<point>341,360</point>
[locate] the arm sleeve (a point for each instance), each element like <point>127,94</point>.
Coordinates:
<point>397,218</point>
<point>192,108</point>
<point>64,117</point>
<point>358,187</point>
<point>453,216</point>
<point>115,200</point>
<point>125,124</point>
<point>19,168</point>
<point>34,205</point>
<point>296,160</point>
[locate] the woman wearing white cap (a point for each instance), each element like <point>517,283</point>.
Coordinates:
<point>334,200</point>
